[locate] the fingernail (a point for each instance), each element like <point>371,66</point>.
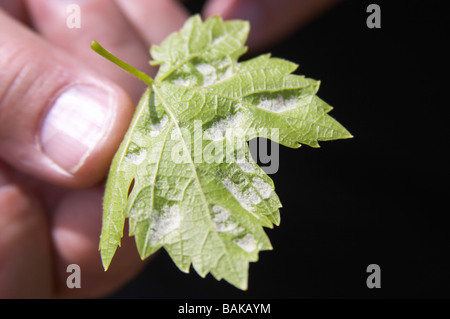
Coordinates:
<point>74,125</point>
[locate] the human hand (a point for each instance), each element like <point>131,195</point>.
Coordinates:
<point>271,21</point>
<point>64,111</point>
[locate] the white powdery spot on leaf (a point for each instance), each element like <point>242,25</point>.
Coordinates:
<point>245,166</point>
<point>278,104</point>
<point>247,243</point>
<point>137,157</point>
<point>262,187</point>
<point>247,198</point>
<point>222,219</point>
<point>218,130</point>
<point>164,223</point>
<point>155,129</point>
<point>181,81</point>
<point>208,72</point>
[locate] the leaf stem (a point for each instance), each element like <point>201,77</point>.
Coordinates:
<point>104,53</point>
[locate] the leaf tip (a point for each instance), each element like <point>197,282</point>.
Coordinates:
<point>106,261</point>
<point>346,135</point>
<point>106,256</point>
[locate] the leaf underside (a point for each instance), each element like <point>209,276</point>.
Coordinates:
<point>208,213</point>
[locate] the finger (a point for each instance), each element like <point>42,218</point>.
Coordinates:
<point>99,20</point>
<point>58,120</point>
<point>270,21</point>
<point>25,250</point>
<point>154,19</point>
<point>76,228</point>
<point>15,8</point>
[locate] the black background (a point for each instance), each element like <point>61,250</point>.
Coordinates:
<point>381,197</point>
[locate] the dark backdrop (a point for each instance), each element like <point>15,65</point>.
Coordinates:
<point>380,197</point>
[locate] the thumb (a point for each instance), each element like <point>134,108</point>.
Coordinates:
<point>58,121</point>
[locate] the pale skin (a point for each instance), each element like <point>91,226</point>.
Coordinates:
<point>51,175</point>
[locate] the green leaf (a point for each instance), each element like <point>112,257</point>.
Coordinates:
<point>195,189</point>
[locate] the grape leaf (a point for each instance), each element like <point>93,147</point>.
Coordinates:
<point>184,175</point>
